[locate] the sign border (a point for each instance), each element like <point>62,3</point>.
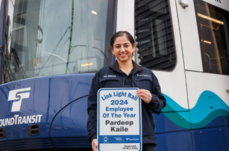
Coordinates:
<point>98,112</point>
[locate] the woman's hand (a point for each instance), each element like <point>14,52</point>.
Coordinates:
<point>94,144</point>
<point>145,95</point>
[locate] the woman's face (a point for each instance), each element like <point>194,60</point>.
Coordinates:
<point>123,49</point>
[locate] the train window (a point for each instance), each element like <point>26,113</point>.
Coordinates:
<point>58,37</point>
<point>213,26</point>
<point>154,35</point>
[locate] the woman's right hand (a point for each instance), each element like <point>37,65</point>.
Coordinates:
<point>94,145</point>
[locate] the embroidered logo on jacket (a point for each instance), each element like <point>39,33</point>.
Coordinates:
<point>108,76</point>
<point>143,75</point>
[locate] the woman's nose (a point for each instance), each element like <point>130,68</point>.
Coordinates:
<point>122,48</point>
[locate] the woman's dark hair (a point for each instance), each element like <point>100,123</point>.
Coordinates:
<point>120,34</point>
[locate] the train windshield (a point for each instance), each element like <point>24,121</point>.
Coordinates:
<point>213,25</point>
<point>50,37</point>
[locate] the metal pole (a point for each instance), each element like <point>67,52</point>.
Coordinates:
<point>70,40</point>
<point>3,17</point>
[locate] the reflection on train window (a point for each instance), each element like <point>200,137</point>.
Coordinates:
<point>213,26</point>
<point>154,34</point>
<point>44,41</point>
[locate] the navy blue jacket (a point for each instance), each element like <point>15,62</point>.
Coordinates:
<point>112,77</point>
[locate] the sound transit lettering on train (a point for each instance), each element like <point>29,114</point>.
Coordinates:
<point>17,120</point>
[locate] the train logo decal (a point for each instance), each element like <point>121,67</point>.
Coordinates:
<point>17,96</point>
<point>201,115</point>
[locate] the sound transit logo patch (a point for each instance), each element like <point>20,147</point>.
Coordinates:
<point>17,96</point>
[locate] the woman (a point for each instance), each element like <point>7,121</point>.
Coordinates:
<point>126,73</point>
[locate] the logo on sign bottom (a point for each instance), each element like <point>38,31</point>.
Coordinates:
<point>105,139</point>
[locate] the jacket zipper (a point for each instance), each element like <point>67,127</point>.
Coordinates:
<point>133,82</point>
<point>123,81</point>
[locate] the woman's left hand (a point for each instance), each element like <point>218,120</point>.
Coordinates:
<point>145,95</point>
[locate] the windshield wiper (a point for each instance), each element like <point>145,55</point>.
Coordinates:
<point>6,57</point>
<point>6,66</point>
<point>16,58</point>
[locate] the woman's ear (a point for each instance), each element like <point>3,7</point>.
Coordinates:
<point>112,50</point>
<point>134,47</point>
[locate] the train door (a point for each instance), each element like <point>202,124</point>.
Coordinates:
<point>156,29</point>
<point>204,29</point>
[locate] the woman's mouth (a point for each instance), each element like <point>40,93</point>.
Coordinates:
<point>123,55</point>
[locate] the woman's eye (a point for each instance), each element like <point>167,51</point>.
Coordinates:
<point>117,47</point>
<point>126,46</point>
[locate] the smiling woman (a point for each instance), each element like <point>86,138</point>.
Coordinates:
<point>58,37</point>
<point>126,74</point>
<point>123,47</point>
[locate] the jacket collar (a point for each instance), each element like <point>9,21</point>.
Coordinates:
<point>115,67</point>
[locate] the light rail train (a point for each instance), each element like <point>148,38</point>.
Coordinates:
<point>51,49</point>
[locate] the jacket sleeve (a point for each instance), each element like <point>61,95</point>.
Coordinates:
<point>92,108</point>
<point>158,101</point>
